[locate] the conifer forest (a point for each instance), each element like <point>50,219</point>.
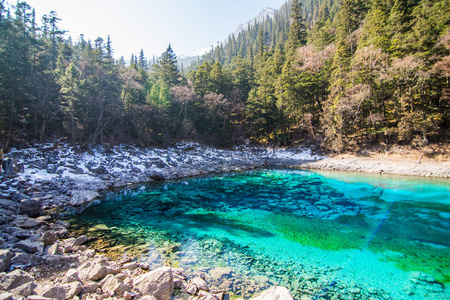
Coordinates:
<point>338,74</point>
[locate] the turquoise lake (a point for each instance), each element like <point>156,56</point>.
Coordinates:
<point>329,235</point>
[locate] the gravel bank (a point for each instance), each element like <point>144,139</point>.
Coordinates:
<point>383,164</point>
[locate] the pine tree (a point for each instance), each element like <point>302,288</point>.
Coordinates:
<point>297,30</point>
<point>109,50</point>
<point>142,63</point>
<point>166,68</point>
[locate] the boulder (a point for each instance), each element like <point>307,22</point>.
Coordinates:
<point>30,207</point>
<point>275,293</point>
<point>130,266</point>
<point>108,283</point>
<point>15,279</point>
<point>157,283</point>
<point>30,247</point>
<point>65,291</point>
<point>5,260</point>
<point>28,223</point>
<point>114,285</point>
<point>55,249</point>
<point>26,259</point>
<point>48,238</point>
<point>97,270</point>
<point>25,290</point>
<point>200,283</point>
<point>81,240</point>
<point>8,168</point>
<point>72,276</point>
<point>83,197</point>
<point>90,288</point>
<point>19,233</point>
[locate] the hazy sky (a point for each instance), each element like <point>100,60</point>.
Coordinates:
<point>189,25</point>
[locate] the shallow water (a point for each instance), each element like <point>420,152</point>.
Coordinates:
<point>326,234</point>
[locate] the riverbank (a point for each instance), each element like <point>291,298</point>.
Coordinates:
<point>401,162</point>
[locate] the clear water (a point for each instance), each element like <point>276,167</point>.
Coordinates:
<point>325,234</point>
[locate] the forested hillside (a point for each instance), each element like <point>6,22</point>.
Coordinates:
<point>339,74</point>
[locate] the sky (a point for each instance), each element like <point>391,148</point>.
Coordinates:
<point>188,25</point>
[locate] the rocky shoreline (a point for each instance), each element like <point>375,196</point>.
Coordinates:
<point>41,258</point>
<point>383,164</point>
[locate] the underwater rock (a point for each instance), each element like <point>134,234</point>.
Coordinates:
<point>220,273</point>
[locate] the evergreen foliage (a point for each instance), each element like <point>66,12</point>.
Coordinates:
<point>340,74</point>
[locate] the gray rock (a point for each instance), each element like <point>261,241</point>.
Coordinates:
<point>81,240</point>
<point>48,238</point>
<point>27,223</point>
<point>4,219</point>
<point>25,290</point>
<point>83,197</point>
<point>90,288</point>
<point>8,168</point>
<point>55,249</point>
<point>30,247</point>
<point>157,283</point>
<point>65,291</point>
<point>19,233</point>
<point>9,205</point>
<point>119,184</point>
<point>26,259</point>
<point>30,207</point>
<point>5,260</point>
<point>97,270</point>
<point>15,279</point>
<point>99,170</point>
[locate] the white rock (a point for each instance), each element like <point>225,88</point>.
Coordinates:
<point>200,283</point>
<point>72,276</point>
<point>157,283</point>
<point>65,291</point>
<point>82,197</point>
<point>275,293</point>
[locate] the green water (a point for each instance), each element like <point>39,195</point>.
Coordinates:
<point>329,235</point>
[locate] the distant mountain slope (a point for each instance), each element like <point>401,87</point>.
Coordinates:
<point>274,25</point>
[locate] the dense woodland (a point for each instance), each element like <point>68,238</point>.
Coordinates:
<point>342,74</point>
